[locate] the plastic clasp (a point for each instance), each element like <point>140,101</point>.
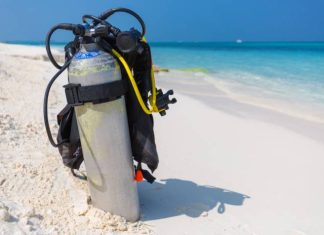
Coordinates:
<point>72,94</point>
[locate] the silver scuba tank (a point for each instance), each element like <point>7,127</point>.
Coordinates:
<point>105,136</point>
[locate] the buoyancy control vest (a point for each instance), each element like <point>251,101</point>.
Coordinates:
<point>140,124</point>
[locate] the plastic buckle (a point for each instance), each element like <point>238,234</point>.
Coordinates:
<point>72,94</point>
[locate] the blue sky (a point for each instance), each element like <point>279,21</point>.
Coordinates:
<point>175,20</point>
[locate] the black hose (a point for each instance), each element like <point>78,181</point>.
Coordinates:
<point>94,18</point>
<point>64,26</point>
<point>45,104</point>
<point>105,15</point>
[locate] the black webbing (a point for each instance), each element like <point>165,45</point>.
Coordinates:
<point>78,95</point>
<point>148,176</point>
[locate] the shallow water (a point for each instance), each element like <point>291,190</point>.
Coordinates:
<point>285,76</point>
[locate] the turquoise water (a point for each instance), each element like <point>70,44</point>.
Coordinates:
<point>292,72</point>
<point>285,76</point>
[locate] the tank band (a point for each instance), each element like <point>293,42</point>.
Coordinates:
<point>78,95</point>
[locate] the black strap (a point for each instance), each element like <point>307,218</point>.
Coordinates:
<point>80,176</point>
<point>78,95</point>
<point>148,176</point>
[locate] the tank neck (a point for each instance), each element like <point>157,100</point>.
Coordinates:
<point>89,47</point>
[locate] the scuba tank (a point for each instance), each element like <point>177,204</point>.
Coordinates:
<point>108,120</point>
<point>104,135</point>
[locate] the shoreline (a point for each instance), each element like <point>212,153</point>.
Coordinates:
<point>216,90</point>
<point>219,100</point>
<point>276,104</point>
<point>302,110</point>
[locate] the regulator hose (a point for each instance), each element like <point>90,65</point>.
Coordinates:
<point>45,104</point>
<point>105,15</point>
<point>76,29</point>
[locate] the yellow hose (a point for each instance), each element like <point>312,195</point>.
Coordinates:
<point>146,110</point>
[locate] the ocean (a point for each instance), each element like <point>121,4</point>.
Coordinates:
<point>285,76</point>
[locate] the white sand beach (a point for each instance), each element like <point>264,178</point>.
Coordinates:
<point>226,166</point>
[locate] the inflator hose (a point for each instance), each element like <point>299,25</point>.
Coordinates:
<point>132,80</point>
<point>45,104</point>
<point>105,46</point>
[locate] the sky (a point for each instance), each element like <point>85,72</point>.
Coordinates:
<point>173,20</point>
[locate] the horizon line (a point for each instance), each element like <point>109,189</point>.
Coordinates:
<point>40,42</point>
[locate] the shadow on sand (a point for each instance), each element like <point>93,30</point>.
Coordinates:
<point>174,197</point>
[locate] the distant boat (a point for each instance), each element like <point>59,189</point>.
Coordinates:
<point>239,41</point>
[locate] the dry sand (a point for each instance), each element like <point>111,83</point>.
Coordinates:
<point>226,167</point>
<point>37,194</point>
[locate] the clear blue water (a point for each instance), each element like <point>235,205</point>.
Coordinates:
<point>286,76</point>
<point>290,71</point>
